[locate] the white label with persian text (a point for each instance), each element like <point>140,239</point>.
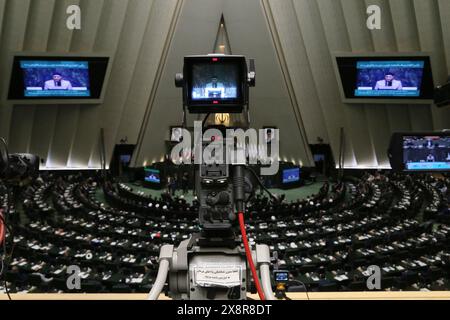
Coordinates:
<point>218,276</point>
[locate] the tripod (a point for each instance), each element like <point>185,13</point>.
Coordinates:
<point>212,264</point>
<point>190,266</point>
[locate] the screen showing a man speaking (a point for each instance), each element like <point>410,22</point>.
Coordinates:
<point>389,78</point>
<point>56,78</point>
<point>214,81</point>
<point>291,175</point>
<point>426,153</point>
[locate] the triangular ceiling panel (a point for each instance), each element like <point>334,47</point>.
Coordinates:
<point>243,30</point>
<point>222,44</point>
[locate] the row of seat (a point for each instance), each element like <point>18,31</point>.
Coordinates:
<point>345,227</point>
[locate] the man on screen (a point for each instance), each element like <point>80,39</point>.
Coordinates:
<point>57,83</point>
<point>389,83</point>
<point>429,144</point>
<point>431,158</point>
<point>177,135</point>
<point>215,89</point>
<point>269,135</point>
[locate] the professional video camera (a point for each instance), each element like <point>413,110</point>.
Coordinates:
<point>423,152</point>
<point>16,166</point>
<point>216,84</point>
<point>217,197</point>
<point>13,168</point>
<point>212,264</point>
<point>420,152</point>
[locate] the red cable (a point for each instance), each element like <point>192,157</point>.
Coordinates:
<point>2,229</point>
<point>249,256</point>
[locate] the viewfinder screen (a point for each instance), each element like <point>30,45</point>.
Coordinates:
<point>215,81</point>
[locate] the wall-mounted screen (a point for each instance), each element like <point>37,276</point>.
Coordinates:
<point>125,159</point>
<point>58,78</point>
<point>291,175</point>
<point>386,79</point>
<point>319,157</point>
<point>152,176</point>
<point>389,78</point>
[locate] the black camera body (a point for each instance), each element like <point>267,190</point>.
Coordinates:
<point>17,165</point>
<point>442,95</point>
<point>215,192</point>
<point>423,152</point>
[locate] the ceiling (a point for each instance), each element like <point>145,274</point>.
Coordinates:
<point>291,40</point>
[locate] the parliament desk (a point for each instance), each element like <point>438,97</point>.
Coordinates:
<point>436,295</point>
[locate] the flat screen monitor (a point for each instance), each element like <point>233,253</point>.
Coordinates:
<point>420,152</point>
<point>319,157</point>
<point>269,134</point>
<point>291,175</point>
<point>426,153</point>
<point>176,134</point>
<point>125,158</point>
<point>386,79</point>
<point>215,83</point>
<point>58,78</point>
<point>152,176</point>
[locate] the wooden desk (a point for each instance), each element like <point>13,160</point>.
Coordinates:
<point>437,295</point>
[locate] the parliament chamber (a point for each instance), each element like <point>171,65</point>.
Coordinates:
<point>327,240</point>
<point>224,150</point>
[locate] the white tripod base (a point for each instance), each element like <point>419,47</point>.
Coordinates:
<point>183,263</point>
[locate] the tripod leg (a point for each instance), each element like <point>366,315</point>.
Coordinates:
<point>263,261</point>
<point>264,270</point>
<point>160,281</point>
<point>164,266</point>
